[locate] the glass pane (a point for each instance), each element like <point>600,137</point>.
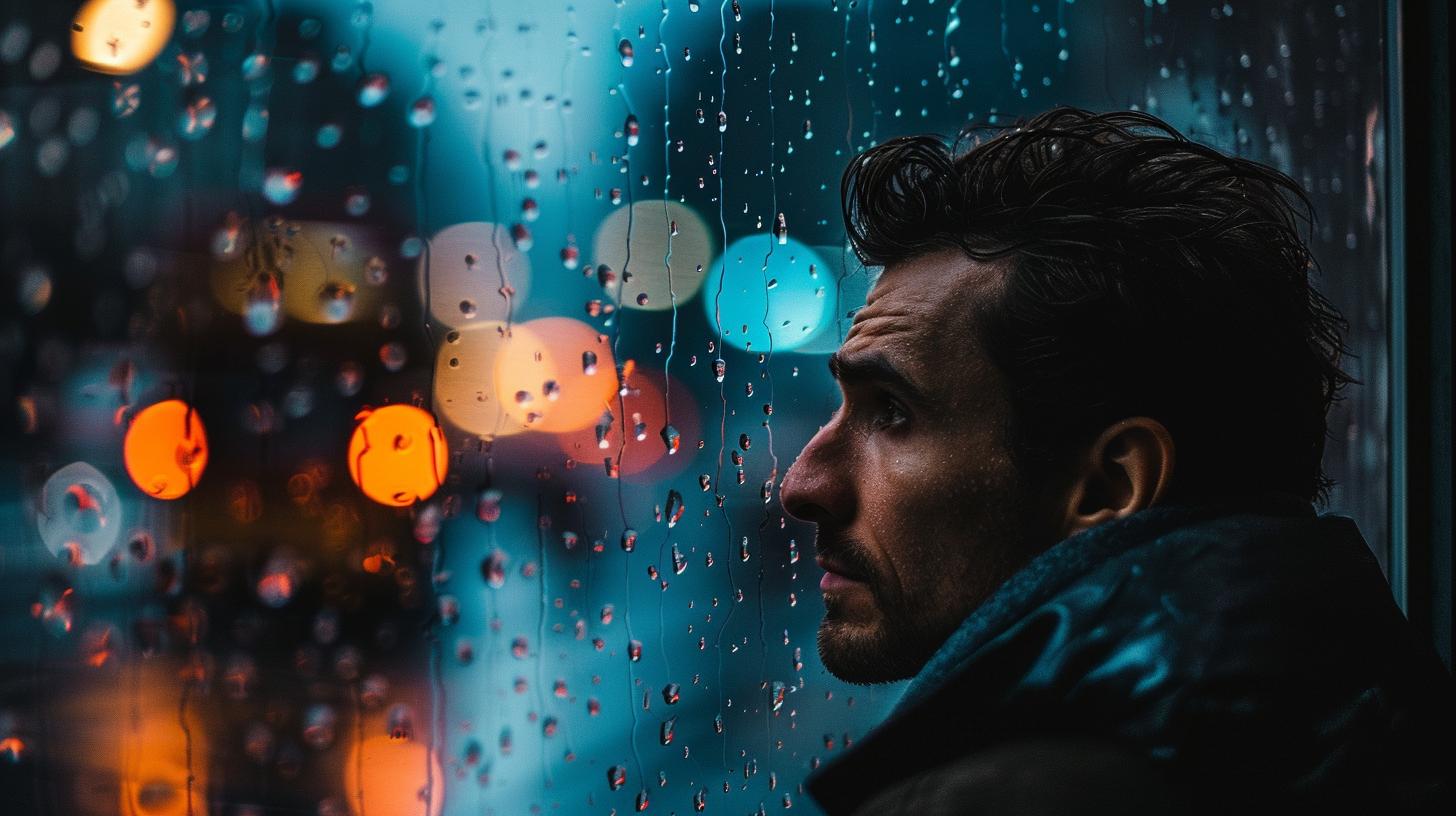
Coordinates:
<point>260,250</point>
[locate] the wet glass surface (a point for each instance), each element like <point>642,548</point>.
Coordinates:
<point>389,431</point>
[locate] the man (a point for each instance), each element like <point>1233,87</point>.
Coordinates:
<point>1070,493</point>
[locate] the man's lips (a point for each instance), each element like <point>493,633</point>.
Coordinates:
<point>836,575</point>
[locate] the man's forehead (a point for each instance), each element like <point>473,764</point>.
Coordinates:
<point>924,297</point>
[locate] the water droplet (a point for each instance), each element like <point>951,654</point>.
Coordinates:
<point>521,235</point>
<point>668,730</point>
<point>722,121</point>
<point>400,722</point>
<point>125,99</point>
<point>372,89</point>
<point>674,507</point>
<point>629,543</point>
<point>604,430</point>
<point>337,300</point>
<point>281,185</point>
<point>625,49</point>
<point>192,69</point>
<point>328,136</point>
<point>255,66</point>
<point>632,129</point>
<point>194,122</point>
<point>262,304</point>
<point>422,112</point>
<point>279,581</point>
<point>671,438</point>
<point>356,203</point>
<point>393,356</point>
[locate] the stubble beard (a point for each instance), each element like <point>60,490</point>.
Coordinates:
<point>908,631</point>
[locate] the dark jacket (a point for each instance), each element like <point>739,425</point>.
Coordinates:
<point>1220,657</point>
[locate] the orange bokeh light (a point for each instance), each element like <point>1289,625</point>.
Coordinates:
<point>165,449</point>
<point>555,374</point>
<point>121,36</point>
<point>385,775</point>
<point>164,763</point>
<point>398,455</point>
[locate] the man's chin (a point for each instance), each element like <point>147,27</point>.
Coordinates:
<point>862,653</point>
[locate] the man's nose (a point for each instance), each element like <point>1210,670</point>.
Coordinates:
<point>819,487</point>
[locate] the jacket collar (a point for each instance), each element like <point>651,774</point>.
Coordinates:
<point>940,699</point>
<point>1052,570</point>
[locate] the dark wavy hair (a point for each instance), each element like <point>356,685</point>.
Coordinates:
<point>1148,275</point>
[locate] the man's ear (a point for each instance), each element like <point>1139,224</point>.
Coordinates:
<point>1125,469</point>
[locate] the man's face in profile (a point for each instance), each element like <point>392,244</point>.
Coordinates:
<point>911,482</point>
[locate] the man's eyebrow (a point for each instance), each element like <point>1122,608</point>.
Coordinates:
<point>873,367</point>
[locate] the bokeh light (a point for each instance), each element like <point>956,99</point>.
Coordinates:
<point>166,449</point>
<point>121,36</point>
<point>397,455</point>
<point>80,514</point>
<point>556,374</point>
<point>645,257</point>
<point>474,274</point>
<point>769,291</point>
<point>384,774</point>
<point>164,752</point>
<point>313,271</point>
<point>643,455</point>
<point>466,391</point>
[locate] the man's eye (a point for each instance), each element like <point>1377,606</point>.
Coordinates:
<point>890,413</point>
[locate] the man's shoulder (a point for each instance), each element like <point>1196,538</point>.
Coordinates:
<point>1260,648</point>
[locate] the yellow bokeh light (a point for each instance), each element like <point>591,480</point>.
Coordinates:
<point>165,449</point>
<point>389,776</point>
<point>465,380</point>
<point>651,227</point>
<point>398,455</point>
<point>555,375</point>
<point>328,272</point>
<point>121,36</point>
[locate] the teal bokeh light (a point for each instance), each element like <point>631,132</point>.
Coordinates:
<point>760,290</point>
